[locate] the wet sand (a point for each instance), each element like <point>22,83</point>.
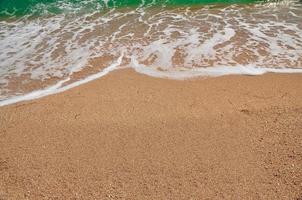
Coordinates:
<point>130,136</point>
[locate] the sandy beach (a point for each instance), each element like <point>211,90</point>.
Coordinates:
<point>130,136</point>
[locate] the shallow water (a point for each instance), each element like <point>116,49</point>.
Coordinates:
<point>49,52</point>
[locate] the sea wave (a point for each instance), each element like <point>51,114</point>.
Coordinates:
<point>52,53</point>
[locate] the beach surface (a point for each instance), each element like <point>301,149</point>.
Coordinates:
<point>131,136</point>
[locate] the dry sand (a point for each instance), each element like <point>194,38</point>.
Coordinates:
<point>129,136</point>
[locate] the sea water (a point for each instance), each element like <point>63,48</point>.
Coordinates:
<point>49,46</point>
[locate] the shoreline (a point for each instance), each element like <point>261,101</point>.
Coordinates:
<point>132,136</point>
<point>199,73</point>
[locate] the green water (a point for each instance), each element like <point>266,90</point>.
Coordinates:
<point>38,7</point>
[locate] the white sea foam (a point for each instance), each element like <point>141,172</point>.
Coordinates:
<point>169,43</point>
<point>210,71</point>
<point>57,88</point>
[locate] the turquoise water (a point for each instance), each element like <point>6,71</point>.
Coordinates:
<point>38,7</point>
